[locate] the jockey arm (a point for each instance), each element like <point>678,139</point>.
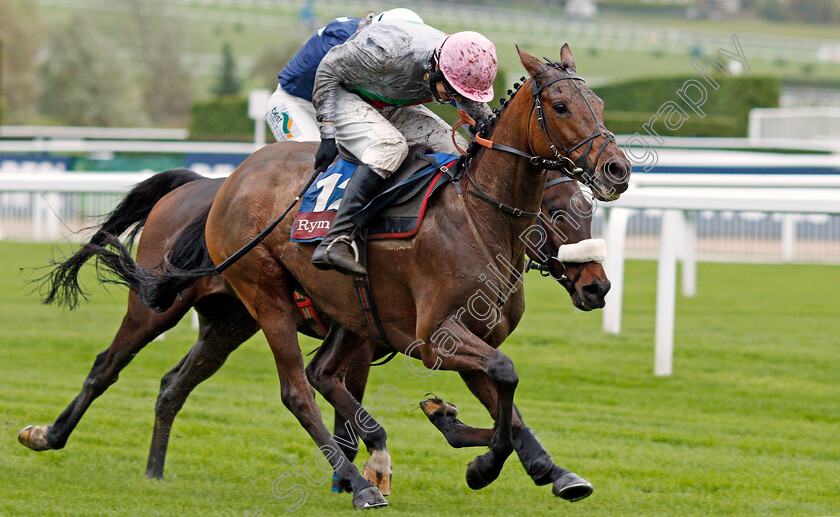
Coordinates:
<point>384,64</point>
<point>479,111</point>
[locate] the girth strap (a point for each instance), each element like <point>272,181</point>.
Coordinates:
<point>310,315</point>
<point>365,295</point>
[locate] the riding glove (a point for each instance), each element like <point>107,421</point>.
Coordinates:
<point>327,152</point>
<point>479,124</point>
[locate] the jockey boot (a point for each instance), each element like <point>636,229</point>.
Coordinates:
<point>335,251</point>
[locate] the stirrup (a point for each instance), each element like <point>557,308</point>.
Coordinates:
<point>346,239</point>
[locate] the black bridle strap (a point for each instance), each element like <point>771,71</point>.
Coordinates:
<point>557,181</point>
<point>539,265</point>
<point>479,193</point>
<point>544,249</point>
<point>551,136</point>
<point>538,161</point>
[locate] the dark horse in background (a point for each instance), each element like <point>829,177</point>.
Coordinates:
<point>421,288</point>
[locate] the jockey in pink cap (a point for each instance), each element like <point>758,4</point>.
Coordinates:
<point>368,97</point>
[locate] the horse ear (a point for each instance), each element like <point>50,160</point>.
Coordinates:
<point>533,65</point>
<point>566,57</point>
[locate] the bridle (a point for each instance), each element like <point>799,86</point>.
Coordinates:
<point>543,267</point>
<point>563,162</point>
<point>581,163</point>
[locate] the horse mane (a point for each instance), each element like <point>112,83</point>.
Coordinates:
<point>488,126</point>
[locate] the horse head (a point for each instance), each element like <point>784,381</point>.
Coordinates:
<point>567,251</point>
<point>566,123</point>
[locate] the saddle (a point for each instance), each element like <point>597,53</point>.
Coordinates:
<point>396,213</point>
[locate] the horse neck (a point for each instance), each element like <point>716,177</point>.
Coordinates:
<point>508,178</point>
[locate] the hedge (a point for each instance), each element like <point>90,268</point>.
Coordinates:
<point>630,104</point>
<point>223,118</point>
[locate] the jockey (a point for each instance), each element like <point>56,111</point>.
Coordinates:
<point>367,97</point>
<point>289,111</point>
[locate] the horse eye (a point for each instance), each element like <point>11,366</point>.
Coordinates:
<point>560,108</point>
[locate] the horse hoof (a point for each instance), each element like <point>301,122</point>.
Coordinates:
<point>34,437</point>
<point>378,471</point>
<point>368,498</point>
<point>480,473</point>
<point>571,487</point>
<point>438,407</point>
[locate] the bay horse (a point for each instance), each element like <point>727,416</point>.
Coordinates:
<point>161,206</point>
<point>423,289</point>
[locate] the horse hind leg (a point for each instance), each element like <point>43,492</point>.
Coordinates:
<point>139,327</point>
<point>268,296</point>
<point>539,465</point>
<point>339,372</point>
<point>224,324</point>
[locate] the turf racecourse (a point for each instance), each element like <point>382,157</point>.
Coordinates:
<point>748,425</point>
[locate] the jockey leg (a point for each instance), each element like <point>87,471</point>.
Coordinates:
<point>335,251</point>
<point>380,148</point>
<point>420,125</point>
<point>291,118</point>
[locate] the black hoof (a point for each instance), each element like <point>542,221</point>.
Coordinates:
<point>481,472</point>
<point>368,498</point>
<point>571,487</point>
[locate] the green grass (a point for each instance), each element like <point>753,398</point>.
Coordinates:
<point>747,425</point>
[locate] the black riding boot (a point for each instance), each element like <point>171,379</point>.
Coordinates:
<point>335,252</point>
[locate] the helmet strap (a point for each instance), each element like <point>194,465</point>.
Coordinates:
<point>432,77</point>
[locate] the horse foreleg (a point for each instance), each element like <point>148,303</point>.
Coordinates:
<point>443,415</point>
<point>539,465</point>
<point>537,462</point>
<point>224,324</point>
<point>339,372</point>
<point>462,351</point>
<point>355,381</point>
<point>139,327</point>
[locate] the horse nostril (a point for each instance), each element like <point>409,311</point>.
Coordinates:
<point>594,290</point>
<point>618,171</point>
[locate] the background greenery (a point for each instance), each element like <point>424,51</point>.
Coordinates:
<point>630,104</point>
<point>747,425</point>
<point>152,59</point>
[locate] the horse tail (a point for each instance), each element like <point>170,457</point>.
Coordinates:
<point>61,285</point>
<point>186,261</point>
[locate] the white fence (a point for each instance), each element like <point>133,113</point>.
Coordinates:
<point>817,124</point>
<point>725,234</point>
<point>792,196</point>
<point>685,210</point>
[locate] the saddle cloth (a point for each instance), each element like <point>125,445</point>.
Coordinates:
<point>396,213</point>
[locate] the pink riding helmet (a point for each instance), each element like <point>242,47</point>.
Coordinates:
<point>468,62</point>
